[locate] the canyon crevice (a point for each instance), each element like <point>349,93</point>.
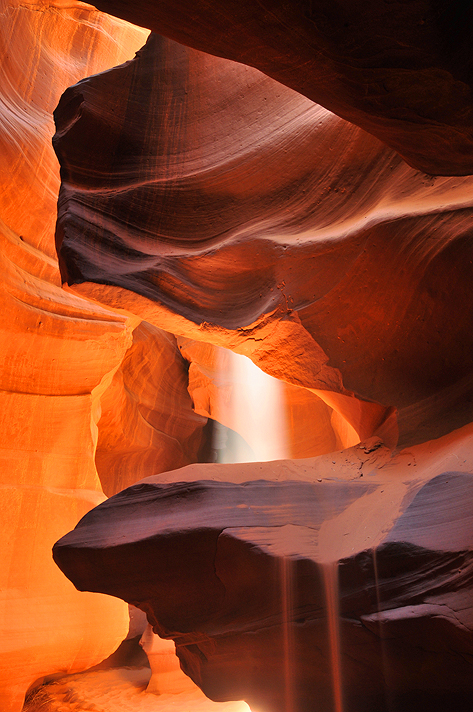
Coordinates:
<point>291,182</point>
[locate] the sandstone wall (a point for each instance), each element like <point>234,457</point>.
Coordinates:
<point>59,353</point>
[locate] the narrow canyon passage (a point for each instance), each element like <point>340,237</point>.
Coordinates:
<point>237,358</point>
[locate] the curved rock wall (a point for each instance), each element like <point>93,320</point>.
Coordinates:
<point>92,400</point>
<point>232,210</point>
<point>400,70</point>
<point>58,354</point>
<point>148,424</point>
<point>299,583</point>
<point>308,427</point>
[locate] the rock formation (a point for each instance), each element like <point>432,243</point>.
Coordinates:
<point>400,70</point>
<point>166,674</point>
<point>228,210</point>
<point>147,422</point>
<point>60,354</point>
<point>58,351</point>
<point>232,210</point>
<point>293,591</point>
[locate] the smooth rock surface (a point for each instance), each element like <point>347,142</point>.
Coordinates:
<point>248,577</point>
<point>273,417</point>
<point>148,424</point>
<point>400,70</point>
<point>57,351</point>
<point>261,222</point>
<point>229,209</point>
<point>118,690</point>
<point>59,354</point>
<point>90,399</point>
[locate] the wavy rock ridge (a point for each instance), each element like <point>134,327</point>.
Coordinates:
<point>235,211</point>
<point>227,209</point>
<point>402,71</point>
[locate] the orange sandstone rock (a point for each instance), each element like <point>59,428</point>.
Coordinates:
<point>58,353</point>
<point>221,206</point>
<point>217,385</point>
<point>345,577</point>
<point>147,422</point>
<point>167,677</point>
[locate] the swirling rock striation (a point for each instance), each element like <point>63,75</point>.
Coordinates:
<point>57,352</point>
<point>400,70</point>
<point>220,205</point>
<point>60,355</point>
<point>249,580</point>
<point>227,208</point>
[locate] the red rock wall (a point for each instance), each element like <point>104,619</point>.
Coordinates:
<point>243,215</point>
<point>225,208</point>
<point>91,401</point>
<point>309,426</point>
<point>343,577</point>
<point>147,422</point>
<point>400,70</point>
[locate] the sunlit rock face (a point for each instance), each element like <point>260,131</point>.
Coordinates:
<point>276,419</point>
<point>147,422</point>
<point>230,209</point>
<point>91,399</point>
<point>59,353</point>
<point>336,583</point>
<point>166,674</point>
<point>400,70</point>
<point>226,208</point>
<point>233,212</point>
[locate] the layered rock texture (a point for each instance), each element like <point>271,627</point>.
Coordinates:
<point>400,70</point>
<point>58,353</point>
<point>230,209</point>
<point>207,204</point>
<point>147,422</point>
<point>349,591</point>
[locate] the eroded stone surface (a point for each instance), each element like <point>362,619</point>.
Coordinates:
<point>57,351</point>
<point>147,422</point>
<point>400,70</point>
<point>231,210</point>
<point>244,576</point>
<point>260,222</point>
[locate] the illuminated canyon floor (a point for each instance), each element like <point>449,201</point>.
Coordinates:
<point>119,690</point>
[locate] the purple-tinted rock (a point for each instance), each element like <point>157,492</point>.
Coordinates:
<point>219,205</point>
<point>263,607</point>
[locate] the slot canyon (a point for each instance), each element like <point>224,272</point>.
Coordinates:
<point>237,356</point>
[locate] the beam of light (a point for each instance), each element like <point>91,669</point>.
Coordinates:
<point>252,404</point>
